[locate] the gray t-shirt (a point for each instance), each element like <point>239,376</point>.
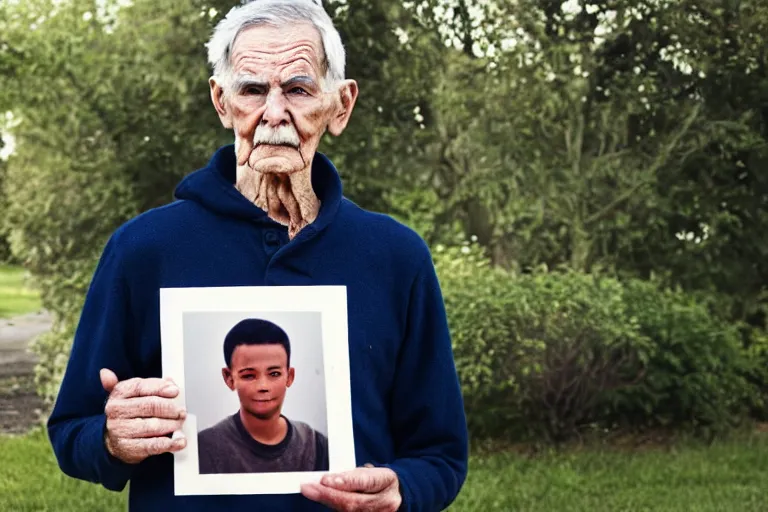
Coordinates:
<point>227,447</point>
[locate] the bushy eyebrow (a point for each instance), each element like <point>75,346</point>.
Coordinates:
<point>243,82</point>
<point>299,80</point>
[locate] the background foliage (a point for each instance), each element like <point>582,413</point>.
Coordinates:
<point>549,355</point>
<point>593,172</point>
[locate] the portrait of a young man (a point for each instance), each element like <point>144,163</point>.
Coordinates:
<point>258,438</point>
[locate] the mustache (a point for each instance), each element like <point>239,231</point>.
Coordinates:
<point>285,135</point>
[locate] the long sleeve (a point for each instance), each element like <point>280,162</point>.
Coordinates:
<point>77,423</point>
<point>428,417</point>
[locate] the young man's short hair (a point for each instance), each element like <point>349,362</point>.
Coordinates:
<point>255,331</point>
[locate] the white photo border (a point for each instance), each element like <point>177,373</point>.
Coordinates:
<point>331,302</point>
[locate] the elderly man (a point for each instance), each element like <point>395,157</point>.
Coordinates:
<point>269,210</point>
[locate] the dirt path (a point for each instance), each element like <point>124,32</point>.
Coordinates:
<point>20,407</point>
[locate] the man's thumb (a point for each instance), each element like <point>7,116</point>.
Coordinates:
<point>108,379</point>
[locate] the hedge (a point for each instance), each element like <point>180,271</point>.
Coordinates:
<point>547,354</point>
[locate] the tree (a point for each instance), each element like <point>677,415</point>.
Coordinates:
<point>712,212</point>
<point>5,249</point>
<point>112,104</point>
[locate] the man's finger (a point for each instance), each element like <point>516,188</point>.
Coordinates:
<point>108,379</point>
<point>336,499</point>
<point>153,446</point>
<point>144,407</point>
<point>132,388</point>
<point>144,427</point>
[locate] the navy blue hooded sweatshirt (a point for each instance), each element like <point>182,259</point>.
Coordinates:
<point>407,406</point>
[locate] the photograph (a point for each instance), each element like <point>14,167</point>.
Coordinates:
<point>255,366</point>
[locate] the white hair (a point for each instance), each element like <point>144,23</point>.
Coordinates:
<point>277,13</point>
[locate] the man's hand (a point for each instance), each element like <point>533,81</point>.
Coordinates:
<point>365,489</point>
<point>140,414</point>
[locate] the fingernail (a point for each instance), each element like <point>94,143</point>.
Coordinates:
<point>178,435</point>
<point>170,389</point>
<point>339,481</point>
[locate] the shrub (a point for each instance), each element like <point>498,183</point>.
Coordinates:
<point>697,372</point>
<point>59,215</point>
<point>543,355</point>
<point>756,346</point>
<point>537,354</point>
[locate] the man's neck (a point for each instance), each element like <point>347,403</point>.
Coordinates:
<point>289,200</point>
<point>271,431</point>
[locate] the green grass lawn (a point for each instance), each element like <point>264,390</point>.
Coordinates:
<point>730,476</point>
<point>30,481</point>
<point>16,298</point>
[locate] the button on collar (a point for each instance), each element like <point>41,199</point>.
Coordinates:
<point>271,238</point>
<point>271,241</point>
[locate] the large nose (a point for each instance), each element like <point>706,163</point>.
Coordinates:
<point>263,385</point>
<point>276,112</point>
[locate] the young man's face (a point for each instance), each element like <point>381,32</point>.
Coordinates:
<point>260,375</point>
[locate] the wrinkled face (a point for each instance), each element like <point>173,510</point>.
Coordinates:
<point>275,102</point>
<point>260,376</point>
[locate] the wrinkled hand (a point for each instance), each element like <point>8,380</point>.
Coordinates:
<point>140,414</point>
<point>365,489</point>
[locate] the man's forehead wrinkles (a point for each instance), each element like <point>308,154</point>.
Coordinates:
<point>307,52</point>
<point>272,48</point>
<point>249,78</point>
<point>297,64</point>
<point>247,62</point>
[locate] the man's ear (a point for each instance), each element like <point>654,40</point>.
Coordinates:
<point>217,97</point>
<point>346,102</point>
<point>291,376</point>
<point>228,380</point>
